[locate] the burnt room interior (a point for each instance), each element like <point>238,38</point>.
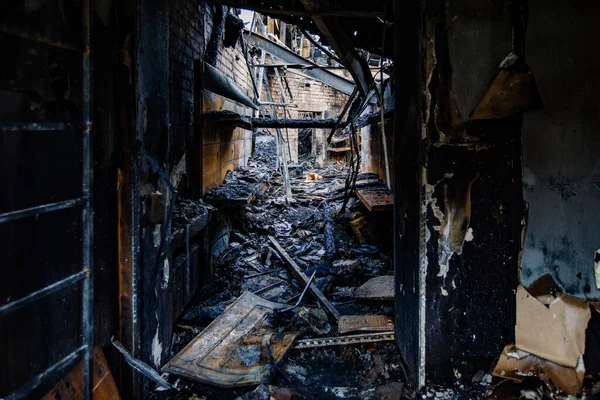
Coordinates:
<point>309,199</point>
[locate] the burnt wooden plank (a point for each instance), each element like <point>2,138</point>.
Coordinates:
<point>376,200</point>
<point>295,269</point>
<point>195,225</point>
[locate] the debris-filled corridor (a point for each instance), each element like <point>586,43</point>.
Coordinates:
<point>334,337</point>
<point>304,199</point>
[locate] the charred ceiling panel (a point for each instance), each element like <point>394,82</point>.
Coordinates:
<point>562,169</point>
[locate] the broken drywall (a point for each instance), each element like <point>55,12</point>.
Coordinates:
<point>517,365</point>
<point>553,331</point>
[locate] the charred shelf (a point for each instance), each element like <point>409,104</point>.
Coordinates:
<point>196,224</point>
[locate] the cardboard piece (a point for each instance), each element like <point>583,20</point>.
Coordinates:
<point>555,332</point>
<point>517,365</point>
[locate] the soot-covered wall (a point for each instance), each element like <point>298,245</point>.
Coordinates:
<point>472,205</point>
<point>562,168</point>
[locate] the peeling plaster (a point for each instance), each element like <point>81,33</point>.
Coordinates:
<point>469,235</point>
<point>454,229</point>
<point>430,64</point>
<point>166,274</point>
<point>156,348</point>
<point>156,235</point>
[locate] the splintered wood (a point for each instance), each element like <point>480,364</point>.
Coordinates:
<point>70,387</point>
<point>376,200</point>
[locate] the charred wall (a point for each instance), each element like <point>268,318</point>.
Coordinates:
<point>311,97</point>
<point>42,83</point>
<point>562,171</point>
<point>472,186</point>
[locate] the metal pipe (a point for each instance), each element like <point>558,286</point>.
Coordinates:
<point>269,103</point>
<point>55,372</point>
<point>301,295</point>
<point>36,37</point>
<point>281,141</point>
<point>339,120</point>
<point>43,209</point>
<point>286,55</point>
<point>87,215</point>
<point>33,126</point>
<point>40,294</point>
<point>245,52</point>
<point>320,46</point>
<point>141,366</point>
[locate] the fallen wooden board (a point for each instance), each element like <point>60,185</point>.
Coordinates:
<point>365,323</point>
<point>376,200</point>
<point>295,269</point>
<point>378,288</point>
<point>360,227</point>
<point>338,149</point>
<point>70,387</point>
<point>237,348</point>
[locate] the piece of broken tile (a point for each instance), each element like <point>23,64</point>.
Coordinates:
<point>378,288</point>
<point>555,332</point>
<point>517,365</point>
<point>232,351</point>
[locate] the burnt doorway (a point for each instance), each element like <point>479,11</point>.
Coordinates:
<point>305,137</point>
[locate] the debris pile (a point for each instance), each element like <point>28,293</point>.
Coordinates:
<point>301,305</point>
<point>287,306</point>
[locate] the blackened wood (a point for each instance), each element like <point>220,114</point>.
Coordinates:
<point>295,269</point>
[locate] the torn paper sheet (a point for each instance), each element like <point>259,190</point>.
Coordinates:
<point>555,332</point>
<point>517,365</point>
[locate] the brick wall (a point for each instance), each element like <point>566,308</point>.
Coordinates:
<point>310,95</point>
<point>186,44</point>
<point>222,147</point>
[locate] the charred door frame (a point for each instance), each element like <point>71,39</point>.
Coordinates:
<point>85,276</point>
<point>409,237</point>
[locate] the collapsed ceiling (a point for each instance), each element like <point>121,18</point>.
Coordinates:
<point>361,21</point>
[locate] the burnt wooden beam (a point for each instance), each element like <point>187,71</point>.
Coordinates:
<point>333,32</point>
<point>298,11</point>
<point>409,240</point>
<point>295,269</point>
<point>266,122</point>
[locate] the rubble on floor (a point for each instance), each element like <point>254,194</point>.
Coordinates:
<point>272,251</point>
<point>318,319</point>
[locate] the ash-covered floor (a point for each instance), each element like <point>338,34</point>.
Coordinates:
<point>252,207</point>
